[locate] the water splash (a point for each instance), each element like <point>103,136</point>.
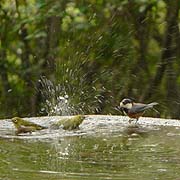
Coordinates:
<point>55,99</point>
<point>70,95</point>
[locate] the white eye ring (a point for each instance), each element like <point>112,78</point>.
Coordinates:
<point>15,120</point>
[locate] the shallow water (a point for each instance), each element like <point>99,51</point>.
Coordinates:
<point>102,152</point>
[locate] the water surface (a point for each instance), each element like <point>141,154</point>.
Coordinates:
<point>105,152</point>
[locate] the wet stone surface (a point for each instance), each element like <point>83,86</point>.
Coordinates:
<point>92,124</point>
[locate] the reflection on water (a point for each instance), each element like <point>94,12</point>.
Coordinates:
<point>135,153</point>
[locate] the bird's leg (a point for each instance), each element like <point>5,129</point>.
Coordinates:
<point>16,132</point>
<point>136,120</point>
<point>130,120</point>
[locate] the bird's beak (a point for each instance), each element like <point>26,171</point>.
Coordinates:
<point>121,109</point>
<point>118,108</point>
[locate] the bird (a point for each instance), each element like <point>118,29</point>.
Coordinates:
<point>24,126</point>
<point>135,110</point>
<point>68,123</point>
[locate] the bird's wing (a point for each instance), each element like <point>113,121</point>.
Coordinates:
<point>138,108</point>
<point>37,126</point>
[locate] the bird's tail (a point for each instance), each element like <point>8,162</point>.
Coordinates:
<point>150,105</point>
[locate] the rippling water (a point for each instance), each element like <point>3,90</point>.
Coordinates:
<point>130,152</point>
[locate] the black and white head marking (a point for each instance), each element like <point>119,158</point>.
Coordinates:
<point>126,103</point>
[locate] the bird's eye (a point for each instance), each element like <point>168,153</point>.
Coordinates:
<point>126,101</point>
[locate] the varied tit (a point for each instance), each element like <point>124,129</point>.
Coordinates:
<point>135,110</point>
<point>24,126</point>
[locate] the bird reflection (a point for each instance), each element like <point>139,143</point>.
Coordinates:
<point>133,131</point>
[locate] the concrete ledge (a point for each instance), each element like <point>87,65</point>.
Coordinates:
<point>96,119</point>
<point>92,125</point>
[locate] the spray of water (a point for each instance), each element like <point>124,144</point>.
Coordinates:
<point>70,94</point>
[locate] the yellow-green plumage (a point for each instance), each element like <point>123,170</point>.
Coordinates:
<point>69,123</point>
<point>24,126</point>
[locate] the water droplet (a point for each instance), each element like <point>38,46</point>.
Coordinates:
<point>9,90</point>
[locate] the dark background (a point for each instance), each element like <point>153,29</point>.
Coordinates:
<point>92,52</point>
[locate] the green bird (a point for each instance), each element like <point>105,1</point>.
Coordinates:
<point>68,123</point>
<point>24,126</point>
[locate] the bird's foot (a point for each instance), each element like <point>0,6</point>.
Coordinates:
<point>130,120</point>
<point>136,121</point>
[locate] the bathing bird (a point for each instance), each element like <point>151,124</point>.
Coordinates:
<point>135,110</point>
<point>24,126</point>
<point>68,123</point>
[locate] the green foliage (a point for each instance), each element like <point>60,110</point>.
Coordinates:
<point>97,51</point>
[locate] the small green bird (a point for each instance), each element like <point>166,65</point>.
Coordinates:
<point>24,126</point>
<point>68,123</point>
